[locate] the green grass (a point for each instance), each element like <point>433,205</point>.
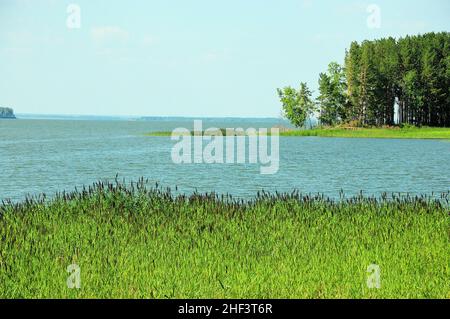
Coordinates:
<point>139,242</point>
<point>393,133</point>
<point>192,133</point>
<point>159,133</point>
<point>408,133</point>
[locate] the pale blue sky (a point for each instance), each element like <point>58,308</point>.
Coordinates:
<point>184,58</point>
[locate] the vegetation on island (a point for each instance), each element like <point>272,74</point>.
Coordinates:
<point>132,241</point>
<point>6,112</point>
<point>412,72</point>
<point>219,131</point>
<point>209,132</point>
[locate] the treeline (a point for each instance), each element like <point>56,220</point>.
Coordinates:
<point>6,112</point>
<point>412,72</point>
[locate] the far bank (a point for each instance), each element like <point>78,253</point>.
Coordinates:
<point>7,113</point>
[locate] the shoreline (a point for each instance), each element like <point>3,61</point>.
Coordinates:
<point>432,133</point>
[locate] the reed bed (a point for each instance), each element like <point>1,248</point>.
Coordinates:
<point>135,241</point>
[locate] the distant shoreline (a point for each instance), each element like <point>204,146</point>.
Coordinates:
<point>7,113</point>
<point>140,118</point>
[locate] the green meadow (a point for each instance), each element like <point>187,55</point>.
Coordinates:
<point>133,241</point>
<point>391,132</point>
<point>397,133</point>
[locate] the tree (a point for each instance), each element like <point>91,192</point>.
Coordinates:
<point>297,106</point>
<point>388,62</point>
<point>333,98</point>
<point>6,112</point>
<point>352,70</point>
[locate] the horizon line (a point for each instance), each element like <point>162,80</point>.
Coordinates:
<point>149,116</point>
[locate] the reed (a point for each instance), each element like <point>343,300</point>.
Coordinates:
<point>136,241</point>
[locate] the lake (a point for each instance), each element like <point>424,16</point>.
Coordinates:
<point>43,155</point>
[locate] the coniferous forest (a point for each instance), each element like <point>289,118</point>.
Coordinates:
<point>413,71</point>
<point>382,82</point>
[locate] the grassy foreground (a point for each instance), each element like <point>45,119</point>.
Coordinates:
<point>394,133</point>
<point>140,242</point>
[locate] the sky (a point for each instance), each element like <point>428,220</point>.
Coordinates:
<point>185,58</point>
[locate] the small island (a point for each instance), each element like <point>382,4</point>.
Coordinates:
<point>7,113</point>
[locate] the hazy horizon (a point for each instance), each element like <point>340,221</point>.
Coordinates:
<point>19,114</point>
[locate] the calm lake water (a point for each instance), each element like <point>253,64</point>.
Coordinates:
<point>53,155</point>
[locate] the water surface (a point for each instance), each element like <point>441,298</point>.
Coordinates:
<point>53,155</point>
